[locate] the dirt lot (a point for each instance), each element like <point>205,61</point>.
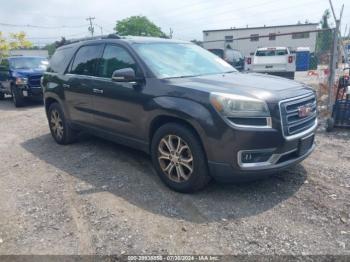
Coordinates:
<point>96,197</point>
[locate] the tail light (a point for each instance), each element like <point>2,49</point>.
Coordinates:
<point>290,59</point>
<point>249,60</point>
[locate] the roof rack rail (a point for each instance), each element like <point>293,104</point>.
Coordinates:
<point>64,41</point>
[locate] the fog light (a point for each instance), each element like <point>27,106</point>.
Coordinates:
<point>255,157</point>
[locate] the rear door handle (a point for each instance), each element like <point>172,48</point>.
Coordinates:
<point>97,91</point>
<point>66,86</point>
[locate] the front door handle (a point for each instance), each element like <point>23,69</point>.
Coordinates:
<point>97,91</point>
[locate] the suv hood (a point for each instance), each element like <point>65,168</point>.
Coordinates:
<point>261,86</point>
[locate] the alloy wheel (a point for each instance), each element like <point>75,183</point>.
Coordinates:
<point>175,158</point>
<point>56,124</point>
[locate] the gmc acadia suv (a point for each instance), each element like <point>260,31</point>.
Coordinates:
<point>195,114</point>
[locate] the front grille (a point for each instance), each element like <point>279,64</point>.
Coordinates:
<point>292,122</point>
<point>34,80</point>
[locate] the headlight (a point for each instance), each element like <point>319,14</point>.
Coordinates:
<point>21,81</point>
<point>230,105</point>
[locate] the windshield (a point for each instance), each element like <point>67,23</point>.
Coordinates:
<point>271,52</point>
<point>28,63</point>
<point>170,60</point>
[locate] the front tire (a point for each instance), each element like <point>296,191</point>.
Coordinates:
<point>179,159</point>
<point>60,129</point>
<point>17,99</point>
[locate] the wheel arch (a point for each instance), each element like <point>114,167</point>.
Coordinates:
<point>162,120</point>
<point>48,102</point>
<point>51,98</point>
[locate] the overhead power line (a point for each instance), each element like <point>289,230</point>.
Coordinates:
<point>55,37</point>
<point>41,26</point>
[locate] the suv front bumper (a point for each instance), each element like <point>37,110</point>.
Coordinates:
<point>282,154</point>
<point>30,91</point>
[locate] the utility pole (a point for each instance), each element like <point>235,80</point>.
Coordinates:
<point>91,27</point>
<point>171,32</point>
<point>334,57</point>
<point>346,29</point>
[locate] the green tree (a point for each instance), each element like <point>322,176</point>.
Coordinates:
<point>51,48</point>
<point>324,38</point>
<point>138,26</point>
<point>16,41</point>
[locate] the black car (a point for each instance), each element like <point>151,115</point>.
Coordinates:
<point>235,58</point>
<point>20,77</point>
<point>232,56</point>
<point>194,113</point>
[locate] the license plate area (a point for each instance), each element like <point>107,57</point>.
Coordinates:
<point>305,144</point>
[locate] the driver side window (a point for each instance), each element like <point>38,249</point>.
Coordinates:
<point>115,58</point>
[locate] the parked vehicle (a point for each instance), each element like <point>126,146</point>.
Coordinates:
<point>218,52</point>
<point>20,77</point>
<point>231,56</point>
<point>277,61</point>
<point>191,111</point>
<point>235,58</point>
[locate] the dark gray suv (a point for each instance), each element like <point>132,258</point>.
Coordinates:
<point>195,114</point>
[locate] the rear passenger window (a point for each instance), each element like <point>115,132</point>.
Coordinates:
<point>115,58</point>
<point>86,60</point>
<point>60,60</point>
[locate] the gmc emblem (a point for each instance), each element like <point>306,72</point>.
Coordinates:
<point>304,111</point>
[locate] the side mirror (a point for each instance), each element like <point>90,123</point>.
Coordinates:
<point>124,75</point>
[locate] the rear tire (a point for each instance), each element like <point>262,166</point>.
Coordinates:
<point>179,159</point>
<point>17,99</point>
<point>59,127</point>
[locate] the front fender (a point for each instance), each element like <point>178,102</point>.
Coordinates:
<point>200,117</point>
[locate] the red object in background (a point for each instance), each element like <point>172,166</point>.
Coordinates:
<point>249,60</point>
<point>290,59</point>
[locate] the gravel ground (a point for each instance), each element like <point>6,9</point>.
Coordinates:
<point>96,197</point>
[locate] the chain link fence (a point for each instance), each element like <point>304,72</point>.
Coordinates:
<point>310,56</point>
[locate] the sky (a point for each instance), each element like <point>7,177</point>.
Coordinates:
<point>45,21</point>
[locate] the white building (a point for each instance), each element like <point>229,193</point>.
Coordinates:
<point>292,36</point>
